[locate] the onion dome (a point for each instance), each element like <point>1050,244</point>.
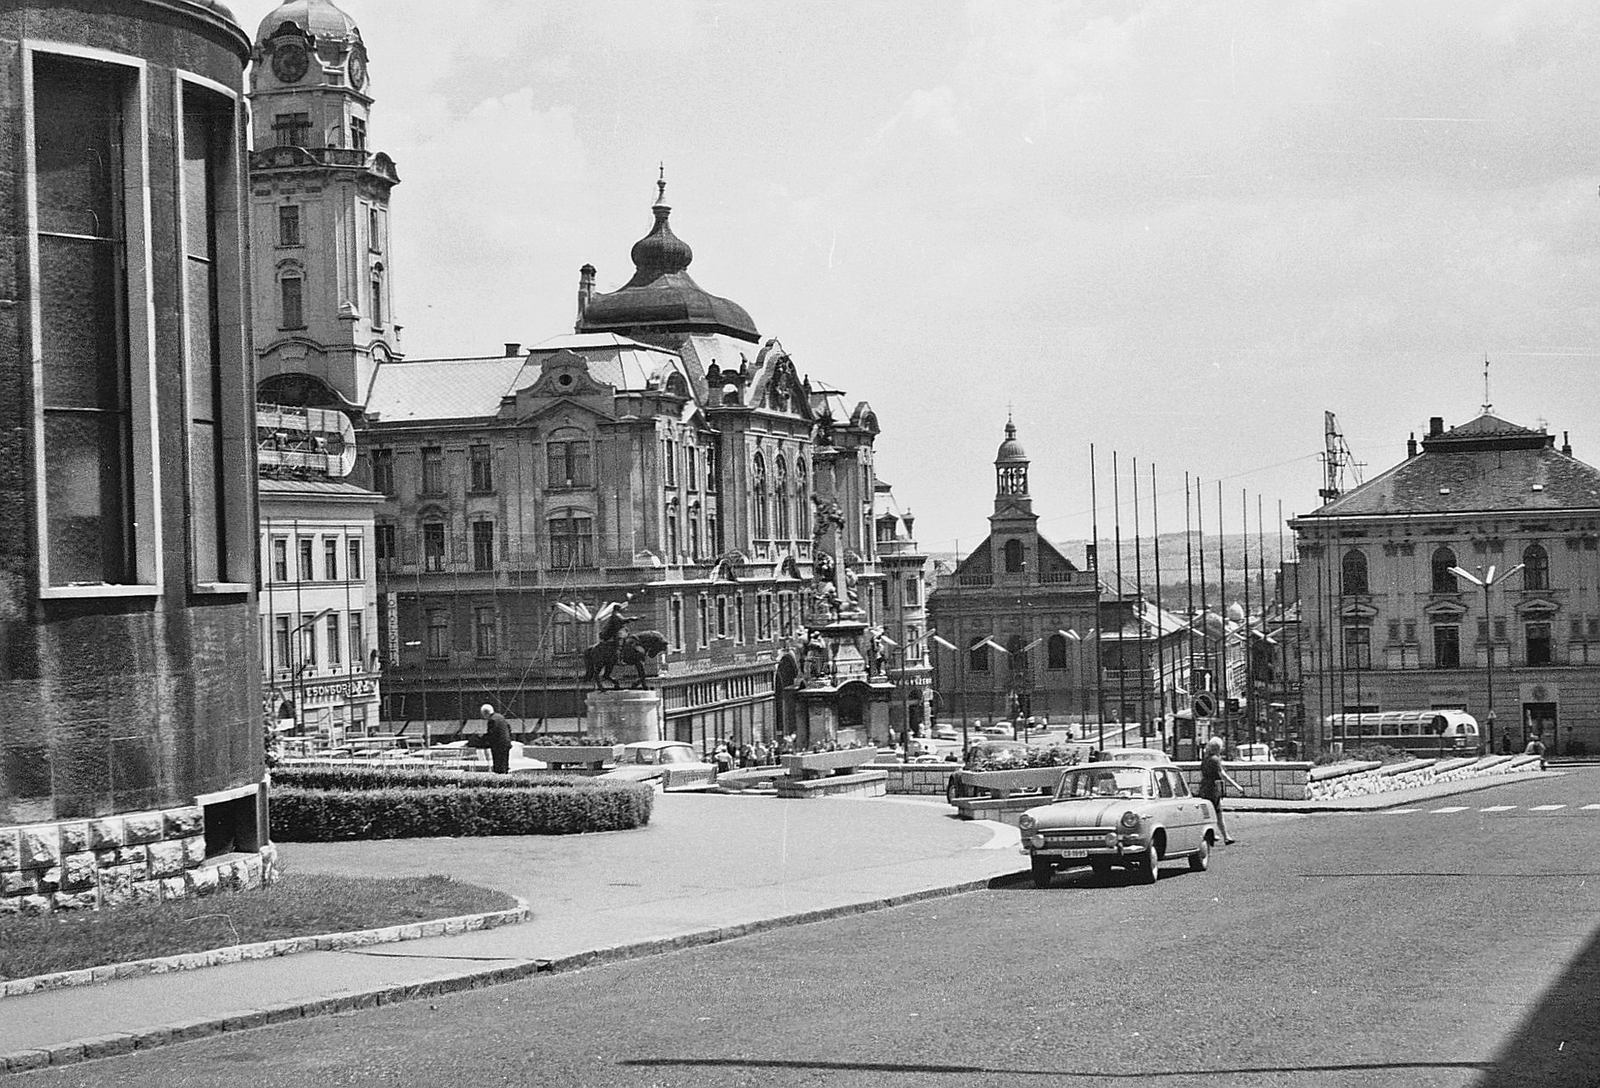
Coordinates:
<point>662,296</point>
<point>1011,451</point>
<point>319,19</point>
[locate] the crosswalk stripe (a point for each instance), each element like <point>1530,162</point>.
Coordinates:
<point>1451,808</point>
<point>1547,808</point>
<point>1498,808</point>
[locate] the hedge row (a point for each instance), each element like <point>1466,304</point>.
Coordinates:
<point>337,815</point>
<point>370,777</point>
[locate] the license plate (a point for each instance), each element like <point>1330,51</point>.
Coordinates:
<point>1070,853</point>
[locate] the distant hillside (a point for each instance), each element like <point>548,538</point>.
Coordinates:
<point>1175,563</point>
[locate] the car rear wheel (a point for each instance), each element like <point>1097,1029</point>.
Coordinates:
<point>1200,860</point>
<point>1148,870</point>
<point>1044,870</point>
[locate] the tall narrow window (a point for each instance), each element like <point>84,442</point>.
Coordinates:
<point>780,497</point>
<point>1358,647</point>
<point>433,546</point>
<point>484,642</point>
<point>358,134</point>
<point>358,643</point>
<point>978,655</point>
<point>352,564</point>
<point>307,570</point>
<point>1013,556</point>
<point>571,541</point>
<point>802,501</point>
<point>289,225</point>
<point>280,559</point>
<point>438,642</point>
<point>1446,646</point>
<point>377,295</point>
<point>1541,650</point>
<point>1354,570</point>
<point>676,611</point>
<point>433,470</point>
<point>1443,580</point>
<point>1535,567</point>
<point>483,545</point>
<point>280,643</point>
<point>383,471</point>
<point>330,558</point>
<point>308,642</point>
<point>758,496</point>
<point>88,434</point>
<point>335,657</point>
<point>290,298</point>
<point>481,460</point>
<point>1056,652</point>
<point>386,546</point>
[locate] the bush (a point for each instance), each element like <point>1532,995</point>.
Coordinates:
<point>368,777</point>
<point>343,814</point>
<point>1016,758</point>
<point>1372,753</point>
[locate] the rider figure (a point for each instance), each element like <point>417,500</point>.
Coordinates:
<point>612,630</point>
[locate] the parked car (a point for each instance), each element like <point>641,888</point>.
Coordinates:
<point>1253,753</point>
<point>946,731</point>
<point>1135,755</point>
<point>1000,731</point>
<point>1133,815</point>
<point>671,764</point>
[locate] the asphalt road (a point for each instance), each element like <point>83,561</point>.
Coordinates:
<point>1414,948</point>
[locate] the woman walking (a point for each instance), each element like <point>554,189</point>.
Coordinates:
<point>1212,780</point>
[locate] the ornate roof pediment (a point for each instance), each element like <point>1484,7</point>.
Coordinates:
<point>1358,610</point>
<point>1445,610</point>
<point>1537,605</point>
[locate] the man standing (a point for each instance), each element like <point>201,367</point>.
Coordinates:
<point>497,738</point>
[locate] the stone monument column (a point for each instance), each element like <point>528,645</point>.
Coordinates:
<point>626,715</point>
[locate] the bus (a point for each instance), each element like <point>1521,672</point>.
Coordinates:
<point>1420,732</point>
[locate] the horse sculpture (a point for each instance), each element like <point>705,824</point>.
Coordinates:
<point>635,650</point>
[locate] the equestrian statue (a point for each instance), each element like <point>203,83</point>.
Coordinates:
<point>617,647</point>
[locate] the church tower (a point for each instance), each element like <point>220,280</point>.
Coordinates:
<point>1013,527</point>
<point>324,312</point>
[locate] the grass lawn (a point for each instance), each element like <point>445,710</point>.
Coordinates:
<point>295,905</point>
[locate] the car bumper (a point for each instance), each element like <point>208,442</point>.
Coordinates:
<point>1109,845</point>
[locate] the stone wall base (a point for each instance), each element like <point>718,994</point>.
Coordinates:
<point>861,784</point>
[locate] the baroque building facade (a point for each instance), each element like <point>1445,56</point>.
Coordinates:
<point>131,755</point>
<point>1387,623</point>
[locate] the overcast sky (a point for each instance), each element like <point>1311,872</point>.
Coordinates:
<point>1181,230</point>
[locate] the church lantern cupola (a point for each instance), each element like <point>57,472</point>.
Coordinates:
<point>1011,467</point>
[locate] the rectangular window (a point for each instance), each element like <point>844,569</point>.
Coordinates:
<point>1411,631</point>
<point>433,546</point>
<point>677,623</point>
<point>482,464</point>
<point>386,547</point>
<point>1358,647</point>
<point>280,559</point>
<point>280,642</point>
<point>1500,630</point>
<point>358,134</point>
<point>289,225</point>
<point>566,639</point>
<point>335,657</point>
<point>383,471</point>
<point>330,558</point>
<point>483,632</point>
<point>438,642</point>
<point>292,129</point>
<point>308,641</point>
<point>353,565</point>
<point>483,545</point>
<point>568,463</point>
<point>722,616</point>
<point>1394,630</point>
<point>978,656</point>
<point>307,570</point>
<point>738,617</point>
<point>1446,647</point>
<point>703,618</point>
<point>358,643</point>
<point>292,314</point>
<point>433,470</point>
<point>913,591</point>
<point>669,462</point>
<point>571,542</point>
<point>694,537</point>
<point>691,468</point>
<point>90,331</point>
<point>1540,644</point>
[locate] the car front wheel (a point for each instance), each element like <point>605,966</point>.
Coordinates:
<point>1200,860</point>
<point>1044,870</point>
<point>1148,870</point>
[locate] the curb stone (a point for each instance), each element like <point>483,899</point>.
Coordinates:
<point>262,950</point>
<point>79,1050</point>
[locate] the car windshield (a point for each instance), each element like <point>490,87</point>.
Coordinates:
<point>680,754</point>
<point>1104,782</point>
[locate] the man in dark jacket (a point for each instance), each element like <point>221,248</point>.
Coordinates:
<point>497,738</point>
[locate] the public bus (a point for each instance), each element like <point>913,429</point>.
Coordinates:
<point>1421,732</point>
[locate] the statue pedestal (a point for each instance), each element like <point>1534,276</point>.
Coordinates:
<point>627,714</point>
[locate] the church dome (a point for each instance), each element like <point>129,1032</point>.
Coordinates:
<point>1011,451</point>
<point>318,18</point>
<point>661,294</point>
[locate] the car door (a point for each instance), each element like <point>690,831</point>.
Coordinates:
<point>1189,812</point>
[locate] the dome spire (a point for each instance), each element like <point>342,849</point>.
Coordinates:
<point>660,252</point>
<point>661,185</point>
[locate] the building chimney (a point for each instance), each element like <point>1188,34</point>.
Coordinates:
<point>585,289</point>
<point>908,519</point>
<point>512,349</point>
<point>1566,447</point>
<point>1411,445</point>
<point>1435,426</point>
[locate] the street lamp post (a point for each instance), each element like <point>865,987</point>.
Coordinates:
<point>1486,583</point>
<point>299,672</point>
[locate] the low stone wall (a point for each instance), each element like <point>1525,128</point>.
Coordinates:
<point>919,779</point>
<point>87,864</point>
<point>1276,781</point>
<point>1361,779</point>
<point>860,784</point>
<point>840,761</point>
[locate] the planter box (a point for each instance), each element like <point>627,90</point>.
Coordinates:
<point>1004,783</point>
<point>592,756</point>
<point>818,764</point>
<point>863,784</point>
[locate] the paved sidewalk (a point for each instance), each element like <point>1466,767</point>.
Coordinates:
<point>708,867</point>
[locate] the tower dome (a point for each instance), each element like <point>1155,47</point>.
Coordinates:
<point>318,19</point>
<point>661,296</point>
<point>1011,451</point>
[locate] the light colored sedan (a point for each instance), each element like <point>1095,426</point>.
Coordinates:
<point>1134,815</point>
<point>670,764</point>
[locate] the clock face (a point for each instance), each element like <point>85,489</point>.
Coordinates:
<point>289,63</point>
<point>358,71</point>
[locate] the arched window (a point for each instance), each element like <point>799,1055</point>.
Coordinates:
<point>758,495</point>
<point>1013,551</point>
<point>377,295</point>
<point>1443,580</point>
<point>780,498</point>
<point>291,296</point>
<point>802,501</point>
<point>978,655</point>
<point>1535,567</point>
<point>1056,651</point>
<point>1355,574</point>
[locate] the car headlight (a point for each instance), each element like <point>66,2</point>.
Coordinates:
<point>1027,823</point>
<point>1130,819</point>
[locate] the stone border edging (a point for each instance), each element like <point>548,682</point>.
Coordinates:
<point>107,1046</point>
<point>265,950</point>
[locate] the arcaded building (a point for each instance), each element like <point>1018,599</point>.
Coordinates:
<point>131,754</point>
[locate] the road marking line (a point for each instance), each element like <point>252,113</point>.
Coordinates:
<point>1498,808</point>
<point>1589,808</point>
<point>1546,808</point>
<point>1401,811</point>
<point>1451,808</point>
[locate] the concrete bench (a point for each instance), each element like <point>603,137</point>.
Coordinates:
<point>1006,810</point>
<point>820,764</point>
<point>860,784</point>
<point>750,778</point>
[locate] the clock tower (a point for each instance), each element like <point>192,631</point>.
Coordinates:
<point>324,313</point>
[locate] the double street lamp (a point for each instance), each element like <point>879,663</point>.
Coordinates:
<point>1487,582</point>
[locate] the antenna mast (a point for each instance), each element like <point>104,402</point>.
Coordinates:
<point>1336,457</point>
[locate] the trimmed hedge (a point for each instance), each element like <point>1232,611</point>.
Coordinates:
<point>342,814</point>
<point>369,777</point>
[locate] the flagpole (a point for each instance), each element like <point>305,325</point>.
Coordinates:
<point>1099,669</point>
<point>1122,654</point>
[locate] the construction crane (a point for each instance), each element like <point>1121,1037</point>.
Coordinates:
<point>1336,457</point>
